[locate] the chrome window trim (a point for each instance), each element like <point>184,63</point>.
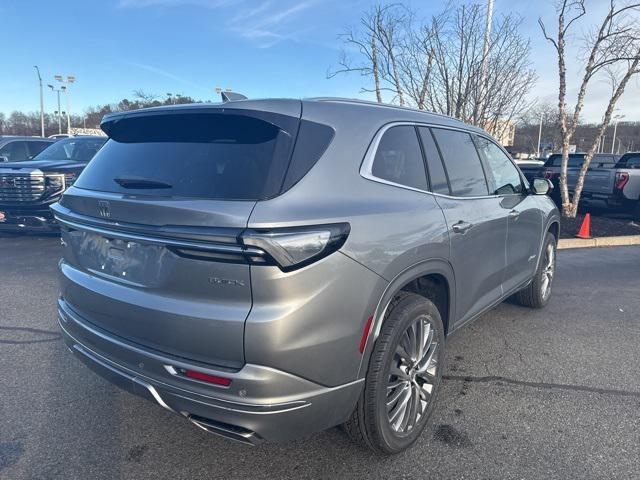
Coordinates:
<point>366,168</point>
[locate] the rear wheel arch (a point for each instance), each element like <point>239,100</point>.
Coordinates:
<point>433,279</point>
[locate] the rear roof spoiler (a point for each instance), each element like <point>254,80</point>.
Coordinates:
<point>231,96</point>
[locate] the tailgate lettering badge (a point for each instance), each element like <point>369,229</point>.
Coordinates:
<point>104,209</point>
<point>226,281</point>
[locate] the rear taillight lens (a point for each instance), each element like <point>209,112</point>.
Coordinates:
<point>295,247</point>
<point>621,180</point>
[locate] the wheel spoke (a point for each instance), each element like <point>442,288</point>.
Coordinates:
<point>397,414</point>
<point>425,363</point>
<point>391,401</point>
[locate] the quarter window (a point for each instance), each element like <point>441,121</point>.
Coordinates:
<point>466,176</point>
<point>399,159</point>
<point>503,176</point>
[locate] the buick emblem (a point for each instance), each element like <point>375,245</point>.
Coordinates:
<point>104,208</point>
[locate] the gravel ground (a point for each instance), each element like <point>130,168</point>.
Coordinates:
<point>602,225</point>
<point>528,394</point>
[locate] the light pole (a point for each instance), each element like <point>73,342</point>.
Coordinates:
<point>485,49</point>
<point>41,102</point>
<point>69,80</point>
<point>615,130</point>
<point>540,133</point>
<point>57,90</point>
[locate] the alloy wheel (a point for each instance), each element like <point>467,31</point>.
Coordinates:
<point>412,375</point>
<point>548,271</point>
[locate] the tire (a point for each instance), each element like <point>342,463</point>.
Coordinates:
<point>538,292</point>
<point>371,423</point>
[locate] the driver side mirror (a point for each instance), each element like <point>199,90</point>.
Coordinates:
<point>541,186</point>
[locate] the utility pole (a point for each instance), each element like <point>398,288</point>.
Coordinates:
<point>540,133</point>
<point>57,90</point>
<point>41,102</point>
<point>69,80</point>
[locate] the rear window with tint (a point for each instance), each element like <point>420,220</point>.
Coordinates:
<point>231,156</point>
<point>631,161</point>
<point>575,161</point>
<point>465,172</point>
<point>399,159</point>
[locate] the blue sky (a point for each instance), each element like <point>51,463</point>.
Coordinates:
<point>262,48</point>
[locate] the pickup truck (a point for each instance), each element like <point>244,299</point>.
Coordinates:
<point>601,164</point>
<point>28,188</point>
<point>617,188</point>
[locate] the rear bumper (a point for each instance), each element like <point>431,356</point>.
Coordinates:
<point>260,404</point>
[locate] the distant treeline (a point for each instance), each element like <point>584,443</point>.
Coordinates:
<point>21,123</point>
<point>526,137</point>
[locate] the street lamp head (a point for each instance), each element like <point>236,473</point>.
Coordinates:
<point>63,87</point>
<point>50,86</point>
<point>58,77</point>
<point>71,78</point>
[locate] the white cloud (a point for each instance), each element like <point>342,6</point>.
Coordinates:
<point>164,73</point>
<point>268,23</point>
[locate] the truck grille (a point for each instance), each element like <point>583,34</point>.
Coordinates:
<point>21,187</point>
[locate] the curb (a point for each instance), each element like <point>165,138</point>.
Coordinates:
<point>565,243</point>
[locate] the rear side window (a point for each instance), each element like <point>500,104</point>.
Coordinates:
<point>239,155</point>
<point>466,176</point>
<point>14,151</point>
<point>399,159</point>
<point>575,161</point>
<point>504,177</point>
<point>437,175</point>
<point>632,161</point>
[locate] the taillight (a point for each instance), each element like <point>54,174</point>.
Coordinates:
<point>294,247</point>
<point>621,180</point>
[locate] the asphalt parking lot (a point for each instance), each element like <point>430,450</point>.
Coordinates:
<point>528,394</point>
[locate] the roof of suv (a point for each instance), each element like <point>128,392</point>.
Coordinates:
<point>24,137</point>
<point>283,104</point>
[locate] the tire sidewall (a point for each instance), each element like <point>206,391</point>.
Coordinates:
<point>395,325</point>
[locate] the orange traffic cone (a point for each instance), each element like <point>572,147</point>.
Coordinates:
<point>585,228</point>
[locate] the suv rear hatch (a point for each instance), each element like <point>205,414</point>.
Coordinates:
<point>152,225</point>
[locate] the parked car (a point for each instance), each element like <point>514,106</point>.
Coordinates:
<point>600,164</point>
<point>272,268</point>
<point>28,188</point>
<point>531,168</point>
<point>618,188</point>
<point>14,148</point>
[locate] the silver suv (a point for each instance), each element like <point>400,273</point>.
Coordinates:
<point>273,268</point>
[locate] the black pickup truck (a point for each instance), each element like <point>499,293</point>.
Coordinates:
<point>28,188</point>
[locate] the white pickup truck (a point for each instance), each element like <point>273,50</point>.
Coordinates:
<point>618,188</point>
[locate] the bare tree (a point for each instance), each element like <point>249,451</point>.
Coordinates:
<point>437,64</point>
<point>611,50</point>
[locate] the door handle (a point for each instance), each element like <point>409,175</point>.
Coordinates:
<point>514,214</point>
<point>461,227</point>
